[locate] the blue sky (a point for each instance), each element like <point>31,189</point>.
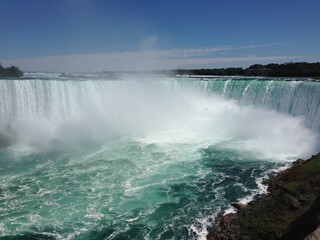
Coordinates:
<point>94,35</point>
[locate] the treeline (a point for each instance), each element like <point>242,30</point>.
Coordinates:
<point>214,71</point>
<point>298,69</point>
<point>10,72</point>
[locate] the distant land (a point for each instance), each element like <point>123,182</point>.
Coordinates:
<point>298,69</point>
<point>10,72</point>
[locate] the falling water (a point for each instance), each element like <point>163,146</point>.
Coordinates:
<point>143,157</point>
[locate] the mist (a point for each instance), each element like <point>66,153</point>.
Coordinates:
<point>60,115</point>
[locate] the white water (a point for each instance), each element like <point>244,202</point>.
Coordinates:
<point>67,114</point>
<point>136,156</point>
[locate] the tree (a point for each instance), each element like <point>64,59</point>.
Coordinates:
<point>12,71</point>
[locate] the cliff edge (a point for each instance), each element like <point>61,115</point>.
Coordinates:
<point>291,209</point>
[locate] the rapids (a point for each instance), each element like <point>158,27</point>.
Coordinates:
<point>143,157</point>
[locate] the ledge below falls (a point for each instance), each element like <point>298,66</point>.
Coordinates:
<point>291,209</point>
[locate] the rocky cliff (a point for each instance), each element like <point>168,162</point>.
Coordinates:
<point>291,209</point>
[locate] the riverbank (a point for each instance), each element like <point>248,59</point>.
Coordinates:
<point>290,210</point>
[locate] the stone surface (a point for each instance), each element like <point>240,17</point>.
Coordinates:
<point>291,209</point>
<point>238,205</point>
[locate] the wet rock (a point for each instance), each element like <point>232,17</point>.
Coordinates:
<point>238,205</point>
<point>298,162</point>
<point>220,214</point>
<point>291,209</point>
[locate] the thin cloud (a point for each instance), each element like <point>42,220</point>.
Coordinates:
<point>143,60</point>
<point>195,52</point>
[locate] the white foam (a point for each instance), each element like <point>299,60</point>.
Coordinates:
<point>132,219</point>
<point>178,121</point>
<point>55,114</point>
<point>199,230</point>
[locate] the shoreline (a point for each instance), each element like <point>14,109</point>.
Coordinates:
<point>290,209</point>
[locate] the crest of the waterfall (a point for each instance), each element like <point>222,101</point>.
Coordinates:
<point>40,112</point>
<point>297,97</point>
<point>54,114</point>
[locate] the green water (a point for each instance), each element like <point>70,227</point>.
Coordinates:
<point>128,159</point>
<point>128,189</point>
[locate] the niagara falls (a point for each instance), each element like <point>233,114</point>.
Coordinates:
<point>159,120</point>
<point>144,155</point>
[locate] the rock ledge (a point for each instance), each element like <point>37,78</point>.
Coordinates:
<point>291,209</point>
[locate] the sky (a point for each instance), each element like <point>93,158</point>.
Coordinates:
<point>97,35</point>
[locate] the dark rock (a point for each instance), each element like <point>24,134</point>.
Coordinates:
<point>291,209</point>
<point>266,181</point>
<point>220,214</point>
<point>238,205</point>
<point>298,162</point>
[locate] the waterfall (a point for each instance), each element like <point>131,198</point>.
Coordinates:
<point>54,99</point>
<point>296,97</point>
<point>40,110</point>
<point>143,156</point>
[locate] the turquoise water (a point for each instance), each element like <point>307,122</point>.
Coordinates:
<point>138,159</point>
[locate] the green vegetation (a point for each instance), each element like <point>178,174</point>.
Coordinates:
<point>217,72</point>
<point>10,72</point>
<point>299,69</point>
